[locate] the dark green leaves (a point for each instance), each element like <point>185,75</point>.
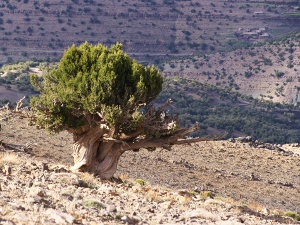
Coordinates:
<point>94,79</point>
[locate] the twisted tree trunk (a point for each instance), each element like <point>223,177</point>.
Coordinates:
<point>95,152</point>
<point>94,155</point>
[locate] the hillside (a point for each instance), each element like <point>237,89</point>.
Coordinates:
<point>211,182</point>
<point>230,65</point>
<point>237,45</point>
<point>150,30</point>
<point>225,112</point>
<point>267,71</point>
<point>218,110</point>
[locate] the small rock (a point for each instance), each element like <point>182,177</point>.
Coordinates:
<point>166,205</point>
<point>29,184</point>
<point>131,219</point>
<point>36,191</point>
<point>60,217</point>
<point>31,200</point>
<point>7,222</point>
<point>82,183</point>
<point>77,195</point>
<point>201,213</point>
<point>228,222</point>
<point>7,170</point>
<point>266,211</point>
<point>111,208</point>
<point>67,197</point>
<point>45,167</point>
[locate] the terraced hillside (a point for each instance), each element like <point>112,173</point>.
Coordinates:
<point>268,72</point>
<point>149,29</point>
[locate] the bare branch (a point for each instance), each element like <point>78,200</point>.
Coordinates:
<point>19,104</point>
<point>167,141</point>
<point>127,137</point>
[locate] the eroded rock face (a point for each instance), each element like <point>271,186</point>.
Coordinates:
<point>46,196</point>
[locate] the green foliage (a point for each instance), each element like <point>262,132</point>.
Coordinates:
<point>278,73</point>
<point>91,81</point>
<point>140,181</point>
<point>226,111</point>
<point>206,194</point>
<point>93,204</point>
<point>293,215</point>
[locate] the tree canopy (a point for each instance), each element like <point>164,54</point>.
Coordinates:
<point>91,80</point>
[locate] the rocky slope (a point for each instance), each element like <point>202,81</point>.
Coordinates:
<point>149,29</point>
<point>34,192</point>
<point>214,182</point>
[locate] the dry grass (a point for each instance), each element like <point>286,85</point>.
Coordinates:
<point>255,206</point>
<point>89,179</point>
<point>226,200</point>
<point>9,159</point>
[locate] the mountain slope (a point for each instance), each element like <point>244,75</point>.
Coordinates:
<point>222,111</point>
<point>149,30</point>
<point>217,182</point>
<point>268,71</point>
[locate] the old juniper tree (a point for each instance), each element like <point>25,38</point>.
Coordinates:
<point>103,97</point>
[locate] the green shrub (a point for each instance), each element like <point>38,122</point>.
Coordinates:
<point>293,215</point>
<point>140,181</point>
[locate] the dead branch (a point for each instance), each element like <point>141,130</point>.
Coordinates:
<point>19,104</point>
<point>19,148</point>
<point>6,107</point>
<point>166,141</point>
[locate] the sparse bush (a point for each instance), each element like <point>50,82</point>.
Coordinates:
<point>278,74</point>
<point>93,204</point>
<point>140,181</point>
<point>293,215</point>
<point>248,74</point>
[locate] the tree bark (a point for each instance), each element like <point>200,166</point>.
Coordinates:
<point>96,152</point>
<point>94,155</point>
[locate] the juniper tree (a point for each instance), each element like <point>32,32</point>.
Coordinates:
<point>104,98</point>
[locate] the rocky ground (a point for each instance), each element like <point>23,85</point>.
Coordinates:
<point>214,182</point>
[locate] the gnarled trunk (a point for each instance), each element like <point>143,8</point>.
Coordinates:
<point>92,154</point>
<point>95,151</point>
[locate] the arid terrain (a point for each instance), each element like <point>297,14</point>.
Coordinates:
<point>210,182</point>
<point>150,30</point>
<point>267,72</point>
<point>247,46</point>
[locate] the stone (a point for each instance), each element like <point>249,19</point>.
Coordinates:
<point>166,205</point>
<point>36,191</point>
<point>201,213</point>
<point>60,217</point>
<point>228,222</point>
<point>45,167</point>
<point>130,219</point>
<point>67,178</point>
<point>7,170</point>
<point>111,208</point>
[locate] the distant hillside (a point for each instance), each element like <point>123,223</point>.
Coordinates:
<point>268,71</point>
<point>151,30</point>
<point>218,110</point>
<point>221,111</point>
